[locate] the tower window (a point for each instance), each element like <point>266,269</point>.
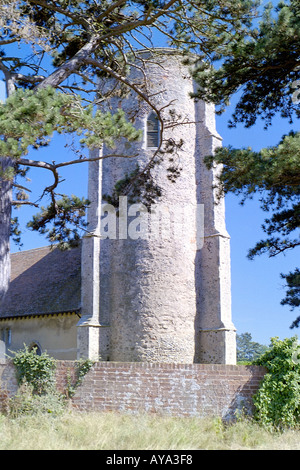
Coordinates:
<point>36,348</point>
<point>152,131</point>
<point>6,336</point>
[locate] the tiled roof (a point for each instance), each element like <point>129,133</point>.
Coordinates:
<point>43,281</point>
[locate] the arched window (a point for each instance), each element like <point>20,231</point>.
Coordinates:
<point>35,347</point>
<point>152,131</point>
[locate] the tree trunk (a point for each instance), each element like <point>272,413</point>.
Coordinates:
<point>5,223</point>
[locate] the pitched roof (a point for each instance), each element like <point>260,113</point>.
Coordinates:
<point>43,281</point>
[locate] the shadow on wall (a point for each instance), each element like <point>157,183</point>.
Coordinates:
<point>242,404</point>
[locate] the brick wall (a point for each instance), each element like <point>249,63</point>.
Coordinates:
<point>8,382</point>
<point>173,389</point>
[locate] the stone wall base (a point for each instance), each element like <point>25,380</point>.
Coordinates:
<point>216,346</point>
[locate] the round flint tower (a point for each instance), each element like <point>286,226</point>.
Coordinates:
<point>164,268</point>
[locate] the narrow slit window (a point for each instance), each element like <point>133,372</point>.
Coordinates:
<point>152,131</point>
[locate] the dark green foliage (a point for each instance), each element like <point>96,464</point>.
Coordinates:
<point>138,185</point>
<point>73,44</point>
<point>248,350</point>
<point>263,65</point>
<point>15,231</point>
<point>36,370</point>
<point>263,62</point>
<point>37,392</point>
<point>292,297</point>
<point>29,119</point>
<point>274,173</point>
<point>277,401</point>
<point>67,216</point>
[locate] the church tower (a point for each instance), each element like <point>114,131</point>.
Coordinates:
<point>156,276</point>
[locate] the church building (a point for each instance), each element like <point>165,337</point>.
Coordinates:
<point>42,306</point>
<point>149,282</point>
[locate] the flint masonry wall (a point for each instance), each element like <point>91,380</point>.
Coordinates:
<point>150,280</point>
<point>164,295</point>
<point>168,389</point>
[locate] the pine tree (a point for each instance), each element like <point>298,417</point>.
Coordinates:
<point>67,46</point>
<point>248,350</point>
<point>263,64</point>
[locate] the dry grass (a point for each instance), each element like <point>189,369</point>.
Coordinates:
<point>112,431</point>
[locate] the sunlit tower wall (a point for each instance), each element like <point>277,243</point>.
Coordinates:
<point>164,273</point>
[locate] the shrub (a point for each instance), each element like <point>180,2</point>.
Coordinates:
<point>277,402</point>
<point>26,402</point>
<point>37,389</point>
<point>36,370</point>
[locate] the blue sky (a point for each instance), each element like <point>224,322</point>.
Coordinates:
<point>256,285</point>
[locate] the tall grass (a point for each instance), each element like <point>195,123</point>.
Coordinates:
<point>112,431</point>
